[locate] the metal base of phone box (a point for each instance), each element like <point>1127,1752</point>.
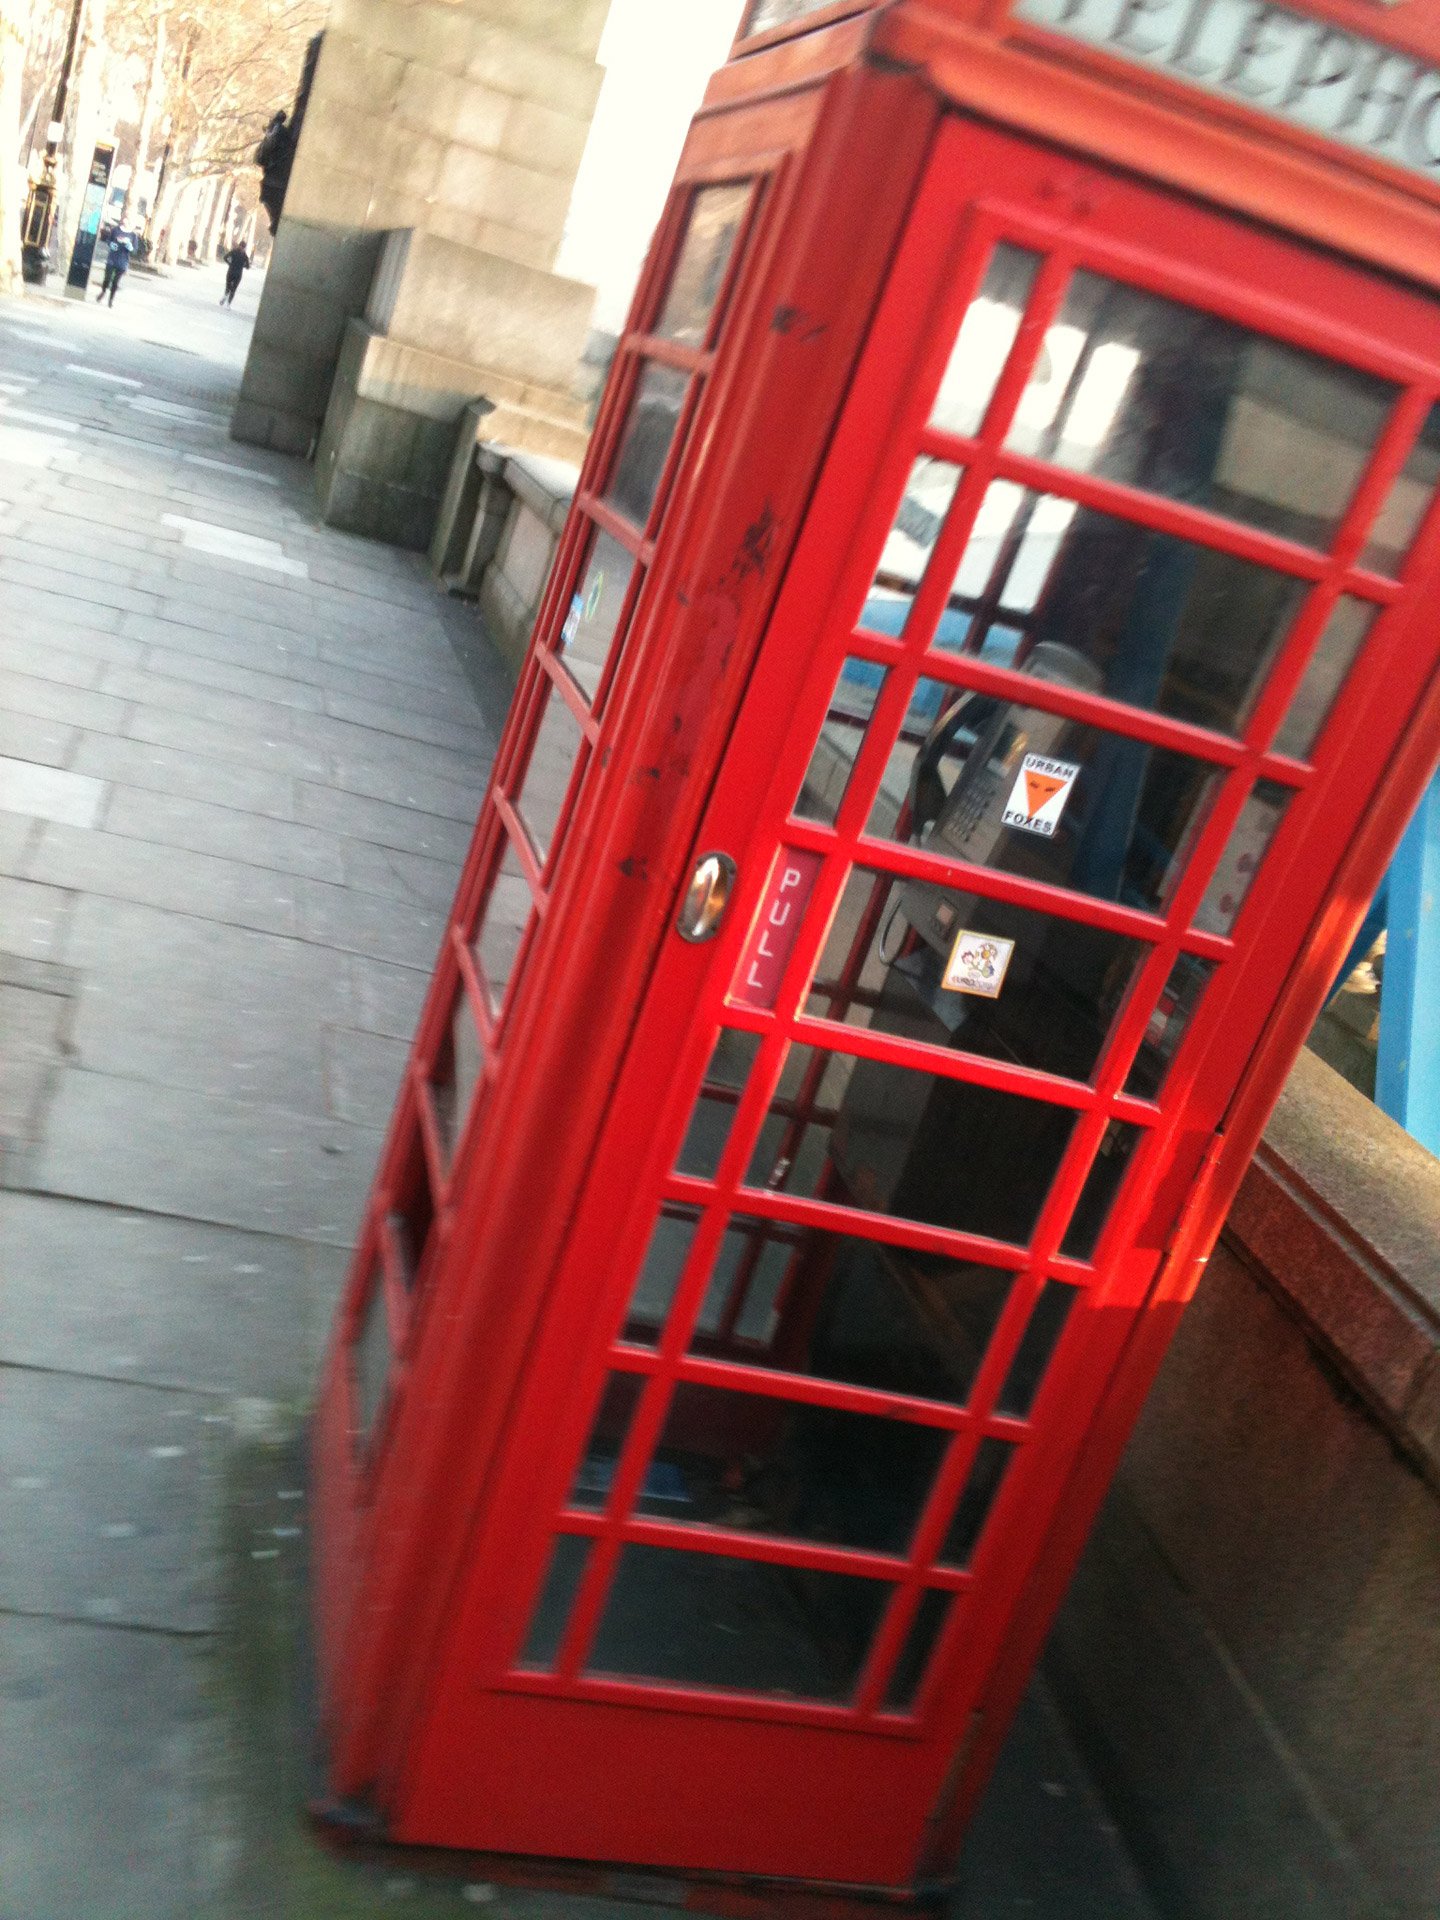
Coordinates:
<point>742,1332</point>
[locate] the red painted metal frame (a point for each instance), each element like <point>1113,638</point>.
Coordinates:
<point>434,1536</point>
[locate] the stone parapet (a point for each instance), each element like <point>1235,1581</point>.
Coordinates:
<point>1250,1652</point>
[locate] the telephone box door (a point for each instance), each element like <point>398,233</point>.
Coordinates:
<point>1102,629</point>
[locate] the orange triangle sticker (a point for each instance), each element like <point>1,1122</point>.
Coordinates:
<point>1040,788</point>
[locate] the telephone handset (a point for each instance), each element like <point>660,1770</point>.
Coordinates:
<point>981,741</point>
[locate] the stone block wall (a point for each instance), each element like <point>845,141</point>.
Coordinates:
<point>464,121</point>
<point>1250,1651</point>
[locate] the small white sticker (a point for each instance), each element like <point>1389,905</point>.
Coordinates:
<point>977,964</point>
<point>1038,797</point>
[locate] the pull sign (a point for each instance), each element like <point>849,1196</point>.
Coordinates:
<point>772,937</point>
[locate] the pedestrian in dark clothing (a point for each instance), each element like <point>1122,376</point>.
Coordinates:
<point>236,261</point>
<point>117,262</point>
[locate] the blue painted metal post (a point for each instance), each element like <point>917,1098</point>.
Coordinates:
<point>1407,1071</point>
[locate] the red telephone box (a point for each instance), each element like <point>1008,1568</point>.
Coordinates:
<point>987,666</point>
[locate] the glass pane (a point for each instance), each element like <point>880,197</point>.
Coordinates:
<point>552,1610</point>
<point>506,915</point>
<point>1003,786</point>
<point>552,760</point>
<point>779,13</point>
<point>1141,390</point>
<point>1102,1183</point>
<point>654,416</point>
<point>1335,653</point>
<point>925,1630</point>
<point>992,1460</point>
<point>1039,1341</point>
<point>792,1150</point>
<point>833,761</point>
<point>1143,617</point>
<point>983,343</point>
<point>457,1073</point>
<point>758,1465</point>
<point>607,1438</point>
<point>705,1620</point>
<point>1399,519</point>
<point>595,609</point>
<point>1246,848</point>
<point>413,1217</point>
<point>660,1275</point>
<point>839,1308</point>
<point>370,1358</point>
<point>699,271</point>
<point>955,970</point>
<point>1167,1025</point>
<point>719,1095</point>
<point>908,546</point>
<point>943,1152</point>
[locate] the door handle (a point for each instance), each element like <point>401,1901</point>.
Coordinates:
<point>706,897</point>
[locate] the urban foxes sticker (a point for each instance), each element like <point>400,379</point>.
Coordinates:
<point>977,964</point>
<point>1038,796</point>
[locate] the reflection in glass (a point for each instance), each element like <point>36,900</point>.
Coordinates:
<point>716,214</point>
<point>505,916</point>
<point>1037,1343</point>
<point>607,1439</point>
<point>983,343</point>
<point>833,761</point>
<point>714,1110</point>
<point>660,1274</point>
<point>958,768</point>
<point>1138,389</point>
<point>705,1620</point>
<point>1165,625</point>
<point>943,1152</point>
<point>654,416</point>
<point>552,1610</point>
<point>834,1307</point>
<point>925,1630</point>
<point>1335,653</point>
<point>457,1072</point>
<point>595,609</point>
<point>1246,848</point>
<point>1102,1183</point>
<point>370,1358</point>
<point>792,1151</point>
<point>992,1460</point>
<point>1168,1024</point>
<point>888,954</point>
<point>1413,490</point>
<point>754,1464</point>
<point>908,546</point>
<point>552,760</point>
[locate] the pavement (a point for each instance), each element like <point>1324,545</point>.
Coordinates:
<point>240,758</point>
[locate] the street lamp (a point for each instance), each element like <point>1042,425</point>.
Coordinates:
<point>40,201</point>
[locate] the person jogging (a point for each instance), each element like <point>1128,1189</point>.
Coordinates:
<point>117,262</point>
<point>236,261</point>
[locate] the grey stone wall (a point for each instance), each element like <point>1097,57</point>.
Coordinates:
<point>465,121</point>
<point>1250,1652</point>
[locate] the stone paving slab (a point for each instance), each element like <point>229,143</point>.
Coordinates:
<point>103,1514</point>
<point>236,1163</point>
<point>131,1296</point>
